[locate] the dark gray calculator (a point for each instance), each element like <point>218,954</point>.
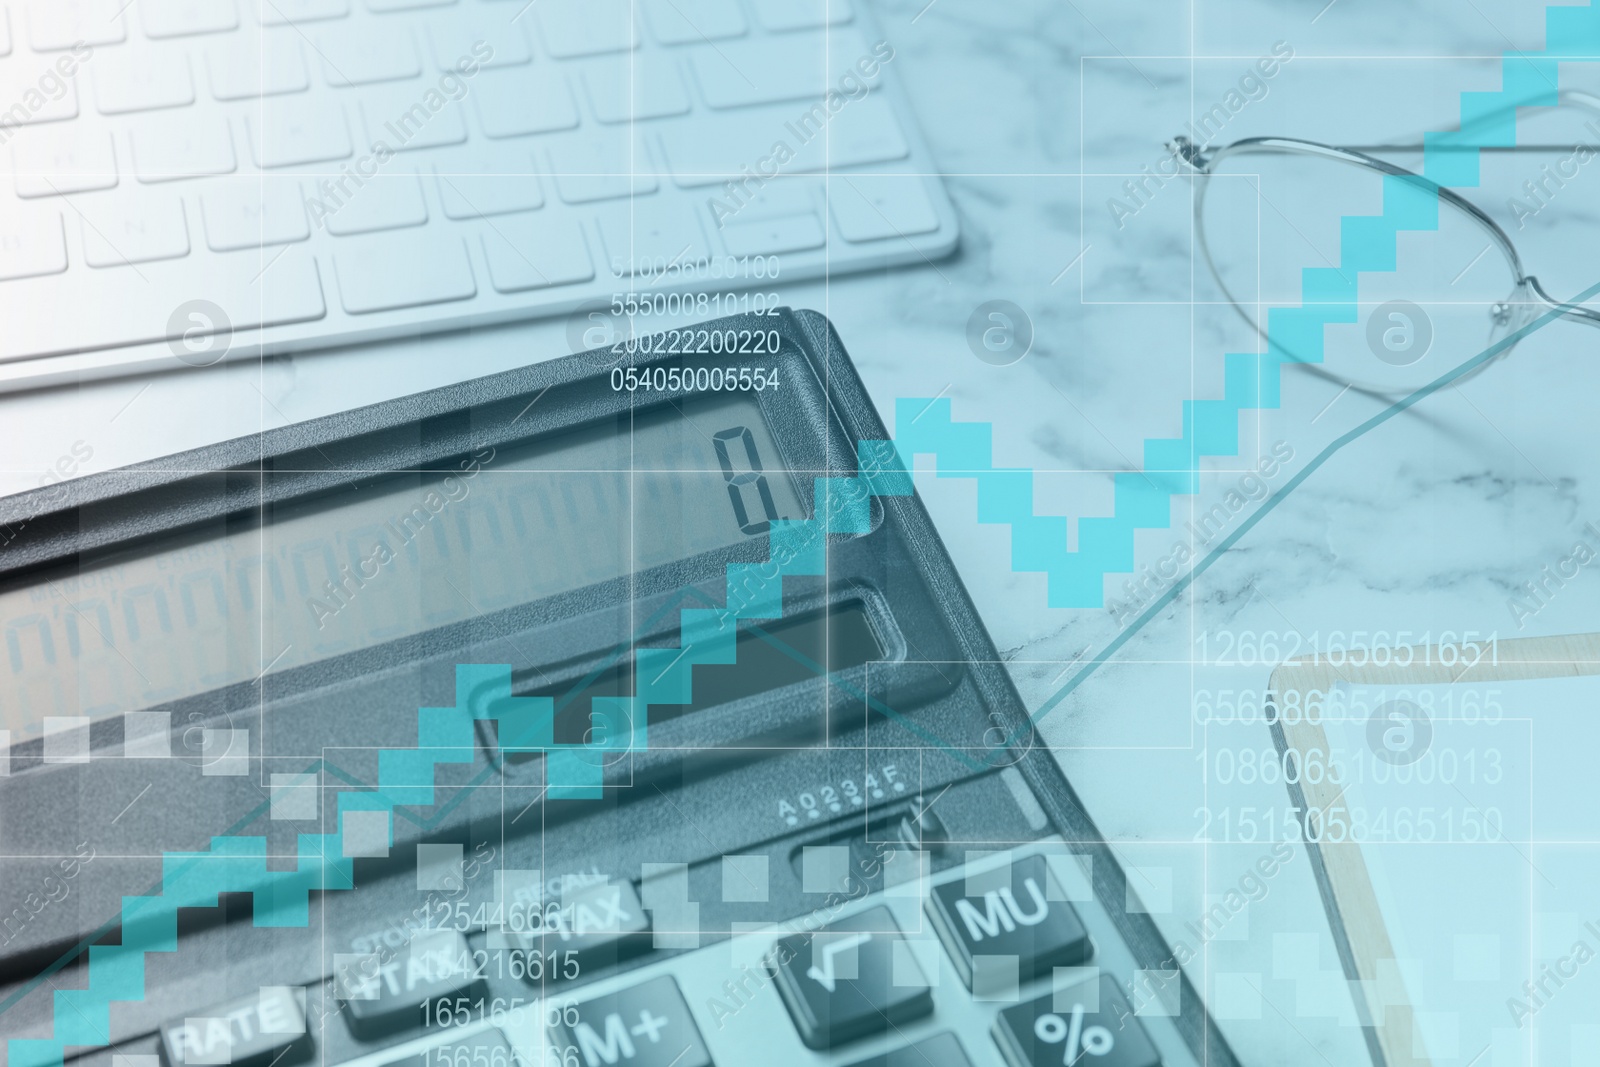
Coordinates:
<point>718,764</point>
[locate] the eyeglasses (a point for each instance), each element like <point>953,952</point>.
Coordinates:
<point>1421,312</point>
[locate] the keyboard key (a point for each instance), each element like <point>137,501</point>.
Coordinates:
<point>647,236</point>
<point>771,236</point>
<point>21,79</point>
<point>711,149</point>
<point>769,71</point>
<point>398,118</point>
<point>788,195</point>
<point>536,252</point>
<point>251,213</point>
<point>1008,926</point>
<point>405,5</point>
<point>367,55</point>
<point>1094,1018</point>
<point>250,1030</point>
<point>126,230</point>
<point>587,27</point>
<point>144,80</point>
<point>299,12</point>
<point>187,18</point>
<point>802,14</point>
<point>517,102</point>
<point>287,291</point>
<point>58,25</point>
<point>382,995</point>
<point>646,1026</point>
<point>56,160</point>
<point>601,920</point>
<point>871,207</point>
<point>590,166</point>
<point>481,42</point>
<point>292,132</point>
<point>385,202</point>
<point>940,1050</point>
<point>473,196</point>
<point>386,272</point>
<point>692,21</point>
<point>31,244</point>
<point>487,1048</point>
<point>842,983</point>
<point>251,66</point>
<point>629,88</point>
<point>169,151</point>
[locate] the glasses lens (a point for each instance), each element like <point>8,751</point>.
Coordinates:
<point>1426,293</point>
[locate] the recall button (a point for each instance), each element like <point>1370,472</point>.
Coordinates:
<point>254,1029</point>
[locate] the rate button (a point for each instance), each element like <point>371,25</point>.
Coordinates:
<point>268,1026</point>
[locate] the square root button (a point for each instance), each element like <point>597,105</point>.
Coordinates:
<point>844,982</point>
<point>1008,926</point>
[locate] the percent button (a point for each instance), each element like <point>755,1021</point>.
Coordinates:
<point>1088,1025</point>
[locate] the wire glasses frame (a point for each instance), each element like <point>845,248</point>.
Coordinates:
<point>1527,299</point>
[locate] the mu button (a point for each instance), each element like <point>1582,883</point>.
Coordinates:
<point>851,979</point>
<point>1008,925</point>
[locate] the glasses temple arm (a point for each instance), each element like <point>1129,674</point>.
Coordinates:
<point>1569,311</point>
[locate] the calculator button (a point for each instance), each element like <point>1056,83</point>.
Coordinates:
<point>1008,926</point>
<point>487,1048</point>
<point>923,831</point>
<point>382,995</point>
<point>267,1026</point>
<point>602,920</point>
<point>940,1050</point>
<point>1059,1027</point>
<point>645,1026</point>
<point>845,981</point>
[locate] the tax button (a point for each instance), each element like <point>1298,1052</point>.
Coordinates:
<point>1007,926</point>
<point>599,923</point>
<point>388,992</point>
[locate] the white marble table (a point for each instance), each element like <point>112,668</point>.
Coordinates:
<point>1426,525</point>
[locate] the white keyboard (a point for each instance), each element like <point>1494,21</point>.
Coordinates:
<point>194,179</point>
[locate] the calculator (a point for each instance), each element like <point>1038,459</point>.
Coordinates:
<point>780,802</point>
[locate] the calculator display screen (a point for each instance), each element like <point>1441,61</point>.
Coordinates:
<point>391,555</point>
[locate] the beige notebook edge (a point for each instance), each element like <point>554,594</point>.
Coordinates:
<point>1359,933</point>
